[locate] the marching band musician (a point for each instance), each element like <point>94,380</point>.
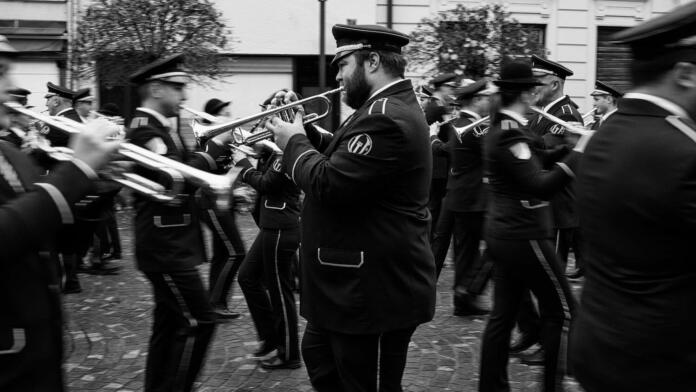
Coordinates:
<point>267,266</point>
<point>32,209</point>
<point>438,109</point>
<point>519,230</point>
<point>16,130</point>
<point>637,204</point>
<point>59,103</point>
<point>550,145</point>
<point>82,103</point>
<point>228,247</point>
<point>605,98</point>
<point>368,275</point>
<point>464,204</point>
<point>168,242</point>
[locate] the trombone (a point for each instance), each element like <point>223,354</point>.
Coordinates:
<point>570,127</point>
<point>204,133</point>
<point>221,185</point>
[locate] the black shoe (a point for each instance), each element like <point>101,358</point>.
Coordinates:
<point>277,363</point>
<point>535,358</point>
<point>577,274</point>
<point>264,351</point>
<point>72,289</point>
<point>524,342</point>
<point>223,313</point>
<point>467,305</point>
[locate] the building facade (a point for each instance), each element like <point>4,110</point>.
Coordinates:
<point>275,43</point>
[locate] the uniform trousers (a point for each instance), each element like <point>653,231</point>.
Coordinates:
<point>181,331</point>
<point>228,253</point>
<point>438,189</point>
<point>266,282</point>
<point>567,238</point>
<point>522,265</point>
<point>339,362</point>
<point>467,229</point>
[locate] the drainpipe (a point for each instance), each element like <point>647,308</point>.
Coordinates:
<point>390,8</point>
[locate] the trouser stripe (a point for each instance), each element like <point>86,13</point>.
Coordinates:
<point>282,299</point>
<point>190,340</point>
<point>216,291</point>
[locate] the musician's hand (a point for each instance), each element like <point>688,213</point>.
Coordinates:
<point>283,97</point>
<point>269,145</point>
<point>284,131</point>
<point>582,141</point>
<point>434,128</point>
<point>94,146</point>
<point>238,154</point>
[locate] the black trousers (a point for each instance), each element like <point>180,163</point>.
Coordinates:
<point>438,189</point>
<point>467,230</point>
<point>108,239</point>
<point>181,331</point>
<point>228,253</point>
<point>567,238</point>
<point>266,282</point>
<point>522,265</point>
<point>338,362</point>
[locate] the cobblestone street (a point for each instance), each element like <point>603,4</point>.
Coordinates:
<point>109,324</point>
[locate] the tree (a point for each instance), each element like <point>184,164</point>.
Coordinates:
<point>116,37</point>
<point>471,42</point>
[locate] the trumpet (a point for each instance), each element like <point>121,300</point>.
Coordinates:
<point>199,114</point>
<point>461,131</point>
<point>204,133</point>
<point>220,185</point>
<point>570,127</point>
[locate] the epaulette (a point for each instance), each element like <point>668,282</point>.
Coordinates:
<point>685,126</point>
<point>138,122</point>
<point>378,107</point>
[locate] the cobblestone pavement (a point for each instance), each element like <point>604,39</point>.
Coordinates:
<point>109,325</point>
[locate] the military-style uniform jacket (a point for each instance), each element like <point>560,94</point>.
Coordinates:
<point>465,190</point>
<point>366,264</point>
<point>32,209</point>
<point>167,237</point>
<point>595,126</point>
<point>637,205</point>
<point>435,110</point>
<point>13,136</point>
<point>57,137</point>
<point>279,198</point>
<point>519,185</point>
<point>563,203</point>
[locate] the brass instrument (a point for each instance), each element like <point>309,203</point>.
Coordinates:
<point>588,118</point>
<point>199,114</point>
<point>204,133</point>
<point>570,127</point>
<point>221,185</point>
<point>461,131</point>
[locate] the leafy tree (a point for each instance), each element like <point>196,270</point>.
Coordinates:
<point>471,42</point>
<point>116,37</point>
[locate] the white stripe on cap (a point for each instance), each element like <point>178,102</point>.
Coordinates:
<point>544,71</point>
<point>352,47</point>
<point>600,92</point>
<point>168,75</point>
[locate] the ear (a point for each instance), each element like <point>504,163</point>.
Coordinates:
<point>685,75</point>
<point>373,61</point>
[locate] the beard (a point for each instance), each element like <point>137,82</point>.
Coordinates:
<point>356,88</point>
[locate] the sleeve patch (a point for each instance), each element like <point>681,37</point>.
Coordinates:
<point>360,144</point>
<point>277,164</point>
<point>521,151</point>
<point>508,124</point>
<point>557,129</point>
<point>137,122</point>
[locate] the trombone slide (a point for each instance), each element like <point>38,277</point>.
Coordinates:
<point>461,131</point>
<point>571,128</point>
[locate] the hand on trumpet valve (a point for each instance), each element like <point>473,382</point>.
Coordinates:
<point>240,153</point>
<point>267,145</point>
<point>283,131</point>
<point>94,146</point>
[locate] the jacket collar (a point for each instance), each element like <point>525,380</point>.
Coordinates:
<point>514,115</point>
<point>559,101</point>
<point>663,103</point>
<point>392,88</point>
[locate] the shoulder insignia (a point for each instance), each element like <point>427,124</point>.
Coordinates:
<point>509,124</point>
<point>277,164</point>
<point>137,122</point>
<point>360,144</point>
<point>557,129</point>
<point>685,127</point>
<point>566,109</point>
<point>521,151</point>
<point>378,107</point>
<point>45,129</point>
